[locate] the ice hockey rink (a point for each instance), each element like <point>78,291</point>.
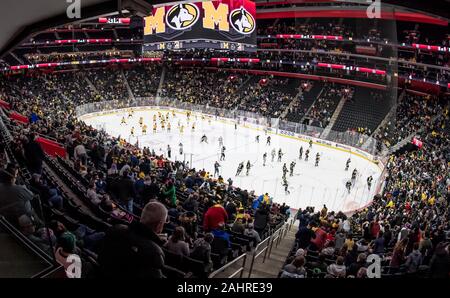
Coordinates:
<point>309,185</point>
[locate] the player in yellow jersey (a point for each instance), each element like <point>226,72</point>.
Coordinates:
<point>123,121</point>
<point>173,113</point>
<point>132,131</point>
<point>154,127</point>
<point>193,126</point>
<point>181,128</point>
<point>141,121</point>
<point>154,117</point>
<point>168,126</point>
<point>130,113</point>
<point>162,125</point>
<point>144,129</point>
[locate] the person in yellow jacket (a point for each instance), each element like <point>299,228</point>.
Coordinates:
<point>390,204</point>
<point>432,200</point>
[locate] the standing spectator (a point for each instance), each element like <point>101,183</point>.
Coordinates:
<point>262,218</point>
<point>34,155</point>
<point>125,191</point>
<point>213,216</point>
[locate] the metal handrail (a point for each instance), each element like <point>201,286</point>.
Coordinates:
<point>240,270</point>
<point>268,242</point>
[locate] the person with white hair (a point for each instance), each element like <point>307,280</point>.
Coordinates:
<point>134,251</point>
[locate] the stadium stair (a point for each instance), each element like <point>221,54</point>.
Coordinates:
<point>334,117</point>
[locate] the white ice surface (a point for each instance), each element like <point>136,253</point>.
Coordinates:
<point>309,186</point>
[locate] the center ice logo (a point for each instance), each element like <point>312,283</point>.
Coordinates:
<point>182,16</point>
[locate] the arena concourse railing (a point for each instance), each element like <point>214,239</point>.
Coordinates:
<point>345,140</point>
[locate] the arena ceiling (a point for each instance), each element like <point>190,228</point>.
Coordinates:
<point>20,19</point>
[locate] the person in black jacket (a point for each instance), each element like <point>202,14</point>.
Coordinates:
<point>304,235</point>
<point>34,155</point>
<point>134,251</point>
<point>125,191</point>
<point>261,219</point>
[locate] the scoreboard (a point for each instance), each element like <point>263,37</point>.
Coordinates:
<point>221,24</point>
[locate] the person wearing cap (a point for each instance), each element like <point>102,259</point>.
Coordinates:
<point>66,247</point>
<point>134,251</point>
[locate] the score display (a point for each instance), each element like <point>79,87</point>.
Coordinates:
<point>221,24</point>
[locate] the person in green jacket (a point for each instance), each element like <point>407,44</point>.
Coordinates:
<point>170,193</point>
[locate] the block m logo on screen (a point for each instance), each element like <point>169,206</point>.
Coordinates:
<point>155,23</point>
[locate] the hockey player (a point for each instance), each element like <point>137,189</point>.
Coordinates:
<point>300,153</point>
<point>144,129</point>
<point>132,131</point>
<point>130,113</point>
<point>220,141</point>
<point>216,168</point>
<point>181,128</point>
<point>154,118</point>
<point>355,171</point>
<point>193,126</point>
<point>235,126</point>
<point>268,140</point>
<point>264,159</point>
<point>348,185</point>
<point>280,155</point>
<point>257,139</point>
<point>162,125</point>
<point>286,186</point>
<point>310,143</point>
<point>248,166</point>
<point>285,170</point>
<point>222,153</point>
<point>154,127</point>
<point>369,182</point>
<point>123,121</point>
<point>169,151</point>
<point>317,159</point>
<point>180,146</point>
<point>239,169</point>
<point>168,126</point>
<point>273,154</point>
<point>347,164</point>
<point>141,121</point>
<point>291,168</point>
<point>204,139</point>
<point>306,154</point>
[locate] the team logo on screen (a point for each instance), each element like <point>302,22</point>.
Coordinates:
<point>182,16</point>
<point>242,21</point>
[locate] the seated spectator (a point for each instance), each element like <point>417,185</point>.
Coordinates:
<point>295,269</point>
<point>39,237</point>
<point>360,263</point>
<point>177,244</point>
<point>16,199</point>
<point>92,195</point>
<point>337,269</point>
<point>414,259</point>
<point>440,262</point>
<point>134,251</point>
<point>86,237</point>
<point>66,247</point>
<point>202,250</point>
<point>188,220</point>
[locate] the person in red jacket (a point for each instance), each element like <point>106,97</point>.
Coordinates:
<point>318,242</point>
<point>215,215</point>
